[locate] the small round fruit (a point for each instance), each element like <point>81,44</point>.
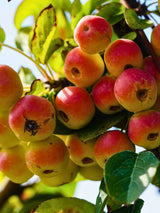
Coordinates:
<point>122,54</point>
<point>103,96</point>
<point>13,164</point>
<point>93,34</point>
<point>66,176</point>
<point>144,129</point>
<point>11,87</point>
<point>150,67</point>
<point>81,152</point>
<point>74,106</point>
<point>83,69</point>
<point>47,157</point>
<point>94,172</point>
<point>110,143</point>
<point>7,137</point>
<point>135,90</point>
<point>32,118</point>
<point>155,39</point>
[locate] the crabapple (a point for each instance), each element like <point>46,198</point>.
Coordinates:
<point>135,90</point>
<point>66,176</point>
<point>81,152</point>
<point>122,54</point>
<point>94,172</point>
<point>32,118</point>
<point>93,34</point>
<point>13,164</point>
<point>7,137</point>
<point>103,95</point>
<point>149,66</point>
<point>83,69</point>
<point>47,157</point>
<point>144,129</point>
<point>11,87</point>
<point>110,143</point>
<point>155,39</point>
<point>74,106</point>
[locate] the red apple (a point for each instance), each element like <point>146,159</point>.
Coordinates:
<point>75,107</point>
<point>83,69</point>
<point>122,54</point>
<point>93,34</point>
<point>144,129</point>
<point>136,90</point>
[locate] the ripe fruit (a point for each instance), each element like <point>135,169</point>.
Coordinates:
<point>93,34</point>
<point>110,143</point>
<point>103,96</point>
<point>155,39</point>
<point>122,54</point>
<point>11,87</point>
<point>82,69</point>
<point>150,67</point>
<point>74,106</point>
<point>66,176</point>
<point>81,152</point>
<point>13,164</point>
<point>144,129</point>
<point>135,90</point>
<point>7,137</point>
<point>32,118</point>
<point>47,157</point>
<point>94,172</point>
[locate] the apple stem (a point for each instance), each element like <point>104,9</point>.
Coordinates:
<point>40,68</point>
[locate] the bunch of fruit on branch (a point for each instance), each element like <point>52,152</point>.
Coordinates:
<point>106,76</point>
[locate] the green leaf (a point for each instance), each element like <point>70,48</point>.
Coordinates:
<point>130,35</point>
<point>2,36</point>
<point>34,7</point>
<point>128,174</point>
<point>37,88</point>
<point>44,24</point>
<point>91,5</point>
<point>76,7</point>
<point>133,208</point>
<point>51,44</point>
<point>66,204</point>
<point>101,198</point>
<point>159,5</point>
<point>99,124</point>
<point>135,22</point>
<point>26,76</point>
<point>112,12</point>
<point>156,179</point>
<point>22,39</point>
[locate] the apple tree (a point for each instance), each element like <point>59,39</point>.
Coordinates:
<point>94,112</point>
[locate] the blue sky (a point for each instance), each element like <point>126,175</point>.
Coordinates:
<point>87,189</point>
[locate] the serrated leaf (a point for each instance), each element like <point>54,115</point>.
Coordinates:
<point>101,198</point>
<point>2,36</point>
<point>26,76</point>
<point>22,39</point>
<point>34,7</point>
<point>112,12</point>
<point>127,175</point>
<point>65,204</point>
<point>37,88</point>
<point>135,22</point>
<point>45,22</point>
<point>99,124</point>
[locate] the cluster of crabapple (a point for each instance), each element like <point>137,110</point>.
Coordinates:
<point>109,76</point>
